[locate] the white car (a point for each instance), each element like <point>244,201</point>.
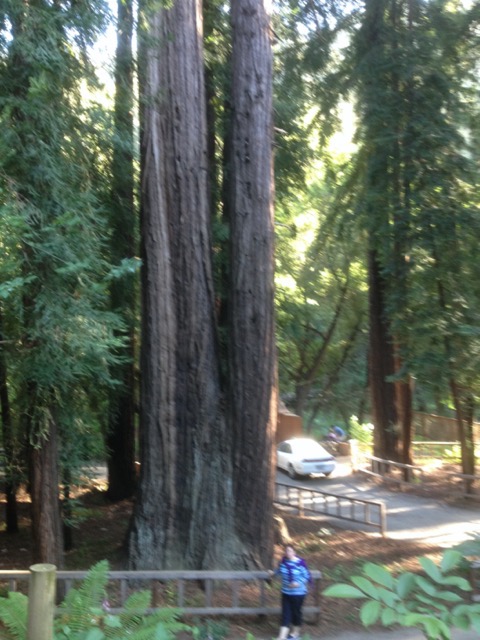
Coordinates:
<point>303,457</point>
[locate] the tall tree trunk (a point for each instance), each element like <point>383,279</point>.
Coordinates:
<point>253,400</point>
<point>381,363</point>
<point>403,405</point>
<point>11,515</point>
<point>184,515</point>
<point>464,403</point>
<point>462,399</point>
<point>401,214</point>
<point>121,427</point>
<point>375,92</point>
<point>44,483</point>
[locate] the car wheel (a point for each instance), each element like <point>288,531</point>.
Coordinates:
<point>291,472</point>
<point>327,474</point>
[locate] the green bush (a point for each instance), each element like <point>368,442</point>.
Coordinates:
<point>362,433</point>
<point>433,602</point>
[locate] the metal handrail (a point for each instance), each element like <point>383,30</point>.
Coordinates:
<point>334,505</point>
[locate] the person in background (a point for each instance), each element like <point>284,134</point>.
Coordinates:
<point>295,577</point>
<point>336,434</point>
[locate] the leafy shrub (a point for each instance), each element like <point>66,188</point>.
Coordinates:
<point>211,629</point>
<point>362,433</point>
<point>432,602</point>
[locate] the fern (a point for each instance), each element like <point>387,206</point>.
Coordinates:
<point>139,625</point>
<point>82,603</point>
<point>84,617</point>
<point>13,614</point>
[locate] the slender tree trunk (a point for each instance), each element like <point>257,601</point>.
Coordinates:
<point>463,403</point>
<point>335,373</point>
<point>67,511</point>
<point>403,404</point>
<point>380,193</point>
<point>381,363</point>
<point>121,427</point>
<point>462,400</point>
<point>253,399</point>
<point>308,372</point>
<point>11,515</point>
<point>44,483</point>
<point>184,515</point>
<point>401,173</point>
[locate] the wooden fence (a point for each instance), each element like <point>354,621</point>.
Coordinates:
<point>343,507</point>
<point>407,474</point>
<point>203,593</point>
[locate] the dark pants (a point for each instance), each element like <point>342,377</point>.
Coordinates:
<point>292,610</point>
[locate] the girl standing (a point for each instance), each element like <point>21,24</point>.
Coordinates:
<point>295,577</point>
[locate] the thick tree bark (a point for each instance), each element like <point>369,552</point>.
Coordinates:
<point>121,427</point>
<point>184,515</point>
<point>252,396</point>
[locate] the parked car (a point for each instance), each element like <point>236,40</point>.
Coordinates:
<point>303,457</point>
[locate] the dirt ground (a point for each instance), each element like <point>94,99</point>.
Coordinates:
<point>101,529</point>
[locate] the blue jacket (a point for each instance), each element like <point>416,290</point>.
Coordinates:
<point>294,570</point>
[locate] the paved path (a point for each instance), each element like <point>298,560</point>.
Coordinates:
<point>398,634</point>
<point>409,516</point>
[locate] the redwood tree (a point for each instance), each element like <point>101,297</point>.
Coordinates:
<point>184,511</point>
<point>252,405</point>
<point>198,441</point>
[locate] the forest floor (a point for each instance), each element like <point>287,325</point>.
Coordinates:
<point>101,529</point>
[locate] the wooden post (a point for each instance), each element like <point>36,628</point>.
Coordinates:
<point>354,456</point>
<point>41,601</point>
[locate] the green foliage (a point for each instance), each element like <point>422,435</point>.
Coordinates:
<point>434,602</point>
<point>211,629</point>
<point>84,614</point>
<point>59,338</point>
<point>80,602</point>
<point>470,547</point>
<point>13,614</point>
<point>321,306</point>
<point>363,433</point>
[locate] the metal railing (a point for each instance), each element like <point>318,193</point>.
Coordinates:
<point>367,512</point>
<point>382,468</point>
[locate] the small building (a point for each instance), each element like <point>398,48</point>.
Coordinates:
<point>289,425</point>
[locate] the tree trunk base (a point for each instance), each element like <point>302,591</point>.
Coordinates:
<point>281,534</point>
